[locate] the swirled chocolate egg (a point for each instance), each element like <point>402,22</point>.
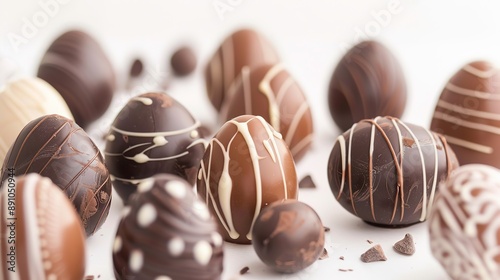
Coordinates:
<point>41,235</point>
<point>464,223</point>
<point>367,82</point>
<point>271,92</point>
<point>77,67</point>
<point>56,147</point>
<point>152,134</point>
<point>243,48</point>
<point>387,172</point>
<point>22,101</point>
<point>167,234</point>
<point>468,114</point>
<point>246,166</point>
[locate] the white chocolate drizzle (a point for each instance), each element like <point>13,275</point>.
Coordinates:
<point>465,111</point>
<point>266,89</point>
<point>472,93</point>
<point>460,122</point>
<point>144,100</point>
<point>483,74</point>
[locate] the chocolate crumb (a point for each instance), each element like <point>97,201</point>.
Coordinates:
<point>439,147</point>
<point>374,254</point>
<point>345,269</point>
<point>341,257</point>
<point>408,142</point>
<point>307,183</point>
<point>89,277</point>
<point>324,255</point>
<point>327,229</point>
<point>369,241</point>
<point>405,246</point>
<point>244,270</point>
<point>136,68</point>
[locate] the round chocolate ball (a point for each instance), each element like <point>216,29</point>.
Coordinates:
<point>167,233</point>
<point>387,172</point>
<point>244,47</point>
<point>367,82</point>
<point>288,236</point>
<point>468,114</point>
<point>183,61</point>
<point>56,147</point>
<point>77,67</point>
<point>271,92</point>
<point>152,134</point>
<point>246,166</point>
<point>463,224</point>
<point>43,237</point>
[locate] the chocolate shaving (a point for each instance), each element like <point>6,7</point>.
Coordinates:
<point>307,183</point>
<point>374,254</point>
<point>345,269</point>
<point>89,277</point>
<point>244,270</point>
<point>405,246</point>
<point>324,255</point>
<point>408,142</point>
<point>341,257</point>
<point>369,241</point>
<point>327,229</point>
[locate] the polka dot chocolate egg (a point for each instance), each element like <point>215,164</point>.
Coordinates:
<point>167,233</point>
<point>41,234</point>
<point>152,134</point>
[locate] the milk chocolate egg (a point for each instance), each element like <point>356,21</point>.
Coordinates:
<point>367,82</point>
<point>243,48</point>
<point>468,114</point>
<point>22,101</point>
<point>464,230</point>
<point>77,67</point>
<point>41,235</point>
<point>167,234</point>
<point>271,92</point>
<point>56,147</point>
<point>152,134</point>
<point>246,166</point>
<point>387,172</point>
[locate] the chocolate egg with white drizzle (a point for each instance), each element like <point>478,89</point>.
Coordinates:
<point>152,134</point>
<point>246,166</point>
<point>386,172</point>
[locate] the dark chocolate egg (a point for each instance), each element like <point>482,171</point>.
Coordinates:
<point>468,114</point>
<point>271,92</point>
<point>288,236</point>
<point>244,47</point>
<point>56,147</point>
<point>152,134</point>
<point>367,82</point>
<point>387,172</point>
<point>168,233</point>
<point>246,166</point>
<point>77,67</point>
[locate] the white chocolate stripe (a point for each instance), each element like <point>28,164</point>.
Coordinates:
<point>132,181</point>
<point>302,144</point>
<point>469,145</point>
<point>400,172</point>
<point>470,112</point>
<point>295,122</point>
<point>266,89</point>
<point>460,122</point>
<point>341,141</point>
<point>284,88</point>
<point>349,168</point>
<point>159,133</point>
<point>146,101</point>
<point>436,163</point>
<point>370,167</point>
<point>33,252</point>
<point>472,93</point>
<point>480,73</point>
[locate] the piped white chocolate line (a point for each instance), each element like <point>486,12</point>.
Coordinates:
<point>370,167</point>
<point>349,167</point>
<point>302,144</point>
<point>284,89</point>
<point>434,179</point>
<point>469,145</point>
<point>400,183</point>
<point>464,111</point>
<point>480,73</point>
<point>472,93</point>
<point>144,100</point>
<point>33,245</point>
<point>460,122</point>
<point>292,129</point>
<point>341,141</point>
<point>132,181</point>
<point>159,133</point>
<point>266,89</point>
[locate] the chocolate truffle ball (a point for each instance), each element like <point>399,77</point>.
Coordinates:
<point>183,61</point>
<point>387,172</point>
<point>56,147</point>
<point>288,236</point>
<point>77,67</point>
<point>22,101</point>
<point>463,224</point>
<point>42,238</point>
<point>271,92</point>
<point>368,82</point>
<point>168,233</point>
<point>468,114</point>
<point>244,47</point>
<point>152,134</point>
<point>246,166</point>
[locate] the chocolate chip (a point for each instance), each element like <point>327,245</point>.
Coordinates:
<point>406,245</point>
<point>324,255</point>
<point>244,270</point>
<point>373,254</point>
<point>307,183</point>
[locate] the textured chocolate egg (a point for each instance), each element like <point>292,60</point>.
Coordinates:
<point>152,134</point>
<point>243,48</point>
<point>56,147</point>
<point>387,172</point>
<point>41,235</point>
<point>23,101</point>
<point>367,82</point>
<point>464,230</point>
<point>168,233</point>
<point>271,92</point>
<point>468,114</point>
<point>77,67</point>
<point>246,166</point>
<point>288,236</point>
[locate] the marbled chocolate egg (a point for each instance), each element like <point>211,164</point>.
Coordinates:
<point>387,172</point>
<point>56,147</point>
<point>246,166</point>
<point>41,236</point>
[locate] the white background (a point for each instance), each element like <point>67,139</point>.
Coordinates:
<point>432,40</point>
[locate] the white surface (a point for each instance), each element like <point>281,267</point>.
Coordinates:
<point>432,40</point>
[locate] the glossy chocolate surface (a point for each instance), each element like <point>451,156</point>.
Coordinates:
<point>56,147</point>
<point>367,82</point>
<point>183,61</point>
<point>167,233</point>
<point>246,166</point>
<point>387,172</point>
